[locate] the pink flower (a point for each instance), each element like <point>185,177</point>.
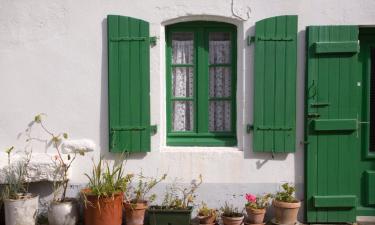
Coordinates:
<point>251,198</point>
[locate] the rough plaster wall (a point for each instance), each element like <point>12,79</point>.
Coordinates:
<point>53,59</point>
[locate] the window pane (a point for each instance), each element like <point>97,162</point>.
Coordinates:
<point>220,82</point>
<point>182,116</point>
<point>220,116</point>
<point>182,82</point>
<point>183,48</point>
<point>372,102</point>
<point>219,47</point>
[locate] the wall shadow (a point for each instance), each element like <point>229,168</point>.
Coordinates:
<point>104,131</point>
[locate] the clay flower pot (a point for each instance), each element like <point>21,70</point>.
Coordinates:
<point>102,210</point>
<point>63,213</point>
<point>207,219</point>
<point>135,212</point>
<point>286,212</point>
<point>255,216</point>
<point>232,220</point>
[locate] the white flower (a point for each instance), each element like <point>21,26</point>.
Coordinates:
<point>80,146</point>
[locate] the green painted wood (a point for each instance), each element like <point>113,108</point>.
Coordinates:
<point>336,47</point>
<point>200,135</point>
<point>331,78</point>
<point>335,124</point>
<point>275,84</point>
<point>128,84</point>
<point>335,201</point>
<point>370,187</point>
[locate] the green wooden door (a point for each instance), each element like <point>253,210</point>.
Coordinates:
<point>338,175</point>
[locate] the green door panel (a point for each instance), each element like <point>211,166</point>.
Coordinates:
<point>335,124</point>
<point>128,84</point>
<point>370,187</point>
<point>335,201</point>
<point>275,73</point>
<point>336,47</point>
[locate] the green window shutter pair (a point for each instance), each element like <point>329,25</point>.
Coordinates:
<point>128,84</point>
<point>275,72</point>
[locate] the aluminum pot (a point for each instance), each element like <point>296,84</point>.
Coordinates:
<point>63,213</point>
<point>22,211</point>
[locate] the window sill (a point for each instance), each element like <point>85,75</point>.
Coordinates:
<point>202,141</point>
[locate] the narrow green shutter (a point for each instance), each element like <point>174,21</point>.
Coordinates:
<point>128,84</point>
<point>275,84</point>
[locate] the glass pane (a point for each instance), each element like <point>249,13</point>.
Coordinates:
<point>220,82</point>
<point>182,48</point>
<point>372,103</point>
<point>220,116</point>
<point>182,116</point>
<point>219,47</point>
<point>182,82</point>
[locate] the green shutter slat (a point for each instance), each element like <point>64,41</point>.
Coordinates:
<point>330,83</point>
<point>128,75</point>
<point>275,84</point>
<point>370,187</point>
<point>337,47</point>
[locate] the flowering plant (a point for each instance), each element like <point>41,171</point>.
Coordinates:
<point>258,202</point>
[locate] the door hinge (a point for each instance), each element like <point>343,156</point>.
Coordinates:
<point>249,128</point>
<point>153,40</point>
<point>313,115</point>
<point>153,129</point>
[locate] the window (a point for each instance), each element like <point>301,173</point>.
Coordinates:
<point>201,84</point>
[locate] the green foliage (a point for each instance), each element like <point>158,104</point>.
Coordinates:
<point>230,211</point>
<point>287,194</point>
<point>262,202</point>
<point>105,181</point>
<point>204,210</point>
<point>178,197</point>
<point>16,186</point>
<point>139,192</point>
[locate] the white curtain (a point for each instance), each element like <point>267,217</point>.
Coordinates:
<point>182,85</point>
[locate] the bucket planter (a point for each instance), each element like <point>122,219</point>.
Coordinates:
<point>21,211</point>
<point>161,216</point>
<point>286,212</point>
<point>103,210</point>
<point>135,212</point>
<point>63,213</point>
<point>255,216</point>
<point>232,220</point>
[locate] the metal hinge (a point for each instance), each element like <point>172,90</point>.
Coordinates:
<point>313,115</point>
<point>273,128</point>
<point>249,128</point>
<point>153,129</point>
<point>152,39</point>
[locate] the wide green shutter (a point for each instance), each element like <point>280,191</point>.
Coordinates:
<point>275,84</point>
<point>128,84</point>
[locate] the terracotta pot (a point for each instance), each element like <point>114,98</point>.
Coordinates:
<point>135,213</point>
<point>286,212</point>
<point>103,210</point>
<point>232,220</point>
<point>207,219</point>
<point>255,216</point>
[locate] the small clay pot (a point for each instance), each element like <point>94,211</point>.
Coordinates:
<point>286,212</point>
<point>135,212</point>
<point>102,210</point>
<point>232,220</point>
<point>207,219</point>
<point>255,216</point>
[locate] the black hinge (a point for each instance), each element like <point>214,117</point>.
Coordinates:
<point>153,129</point>
<point>249,128</point>
<point>313,115</point>
<point>152,39</point>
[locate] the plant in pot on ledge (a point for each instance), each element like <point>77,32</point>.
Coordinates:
<point>286,205</point>
<point>139,200</point>
<point>20,206</point>
<point>206,215</point>
<point>62,210</point>
<point>256,207</point>
<point>177,206</point>
<point>231,215</point>
<point>103,198</point>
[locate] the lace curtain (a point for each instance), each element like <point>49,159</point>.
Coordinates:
<point>219,82</point>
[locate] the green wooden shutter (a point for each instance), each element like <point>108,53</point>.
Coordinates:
<point>275,84</point>
<point>128,84</point>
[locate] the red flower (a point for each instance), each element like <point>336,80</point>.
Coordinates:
<point>251,198</point>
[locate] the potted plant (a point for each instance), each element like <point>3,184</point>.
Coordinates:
<point>286,205</point>
<point>206,215</point>
<point>103,198</point>
<point>231,215</point>
<point>62,210</point>
<point>21,207</point>
<point>139,200</point>
<point>176,207</point>
<point>256,207</point>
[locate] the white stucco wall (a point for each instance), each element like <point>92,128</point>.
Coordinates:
<point>53,59</point>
